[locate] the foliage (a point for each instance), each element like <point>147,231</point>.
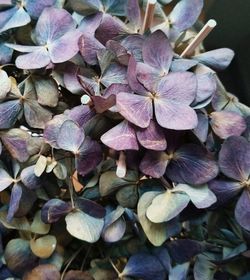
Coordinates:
<point>119,159</point>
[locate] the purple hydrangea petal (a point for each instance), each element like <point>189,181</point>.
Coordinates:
<point>182,64</point>
<point>121,137</point>
<point>81,114</point>
<point>9,112</point>
<point>90,156</point>
<point>35,7</point>
<point>21,48</point>
<point>133,44</point>
<point>185,14</point>
<point>154,164</point>
<point>65,140</point>
<point>115,73</point>
<point>65,47</point>
<point>5,179</point>
<point>90,86</point>
<point>89,46</point>
<point>34,60</point>
<point>103,104</point>
<point>178,87</point>
<point>134,13</point>
<point>135,108</point>
<point>224,190</point>
<point>201,130</point>
<point>234,158</point>
<point>15,197</point>
<point>5,53</point>
<point>157,51</point>
<point>174,115</point>
<point>152,137</point>
<point>192,164</point>
<point>216,59</point>
<point>29,179</point>
<point>53,24</point>
<point>90,23</point>
<point>226,124</point>
<point>242,210</point>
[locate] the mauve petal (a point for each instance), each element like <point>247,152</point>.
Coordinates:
<point>53,24</point>
<point>224,190</point>
<point>121,137</point>
<point>152,137</point>
<point>33,60</point>
<point>81,114</point>
<point>157,51</point>
<point>201,130</point>
<point>15,197</point>
<point>135,108</point>
<point>9,112</point>
<point>134,13</point>
<point>133,44</point>
<point>132,79</point>
<point>65,47</point>
<point>90,23</point>
<point>90,86</point>
<point>65,140</point>
<point>234,158</point>
<point>185,14</point>
<point>175,116</point>
<point>242,210</point>
<point>179,87</point>
<point>192,164</point>
<point>216,59</point>
<point>29,179</point>
<point>154,164</point>
<point>226,124</point>
<point>90,156</point>
<point>89,46</point>
<point>114,74</point>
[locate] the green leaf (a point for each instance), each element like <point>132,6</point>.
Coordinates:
<point>166,206</point>
<point>83,226</point>
<point>156,233</point>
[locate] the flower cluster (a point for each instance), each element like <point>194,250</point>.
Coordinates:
<point>119,157</point>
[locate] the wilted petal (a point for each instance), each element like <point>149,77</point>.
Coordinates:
<point>90,23</point>
<point>5,179</point>
<point>192,164</point>
<point>35,8</point>
<point>90,86</point>
<point>147,76</point>
<point>242,210</point>
<point>5,53</point>
<point>43,271</point>
<point>121,137</point>
<point>154,164</point>
<point>5,83</point>
<point>234,158</point>
<point>201,130</point>
<point>134,13</point>
<point>65,47</point>
<point>9,112</point>
<point>224,190</point>
<point>135,108</point>
<point>226,124</point>
<point>217,59</point>
<point>103,104</point>
<point>116,8</point>
<point>16,194</point>
<point>173,115</point>
<point>81,114</point>
<point>115,73</point>
<point>90,156</point>
<point>182,64</point>
<point>91,208</point>
<point>185,14</point>
<point>34,60</point>
<point>133,44</point>
<point>65,140</point>
<point>53,24</point>
<point>157,51</point>
<point>152,137</point>
<point>29,179</point>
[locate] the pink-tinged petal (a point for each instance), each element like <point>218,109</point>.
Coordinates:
<point>216,59</point>
<point>65,47</point>
<point>226,124</point>
<point>120,52</point>
<point>179,87</point>
<point>53,24</point>
<point>242,210</point>
<point>154,164</point>
<point>115,88</point>
<point>121,137</point>
<point>147,76</point>
<point>103,104</point>
<point>234,158</point>
<point>81,114</point>
<point>90,156</point>
<point>132,79</point>
<point>185,14</point>
<point>65,140</point>
<point>192,164</point>
<point>34,60</point>
<point>224,190</point>
<point>133,44</point>
<point>90,23</point>
<point>175,116</point>
<point>90,86</point>
<point>152,137</point>
<point>89,46</point>
<point>135,108</point>
<point>109,28</point>
<point>157,51</point>
<point>115,73</point>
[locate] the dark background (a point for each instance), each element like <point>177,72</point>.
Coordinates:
<point>232,31</point>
